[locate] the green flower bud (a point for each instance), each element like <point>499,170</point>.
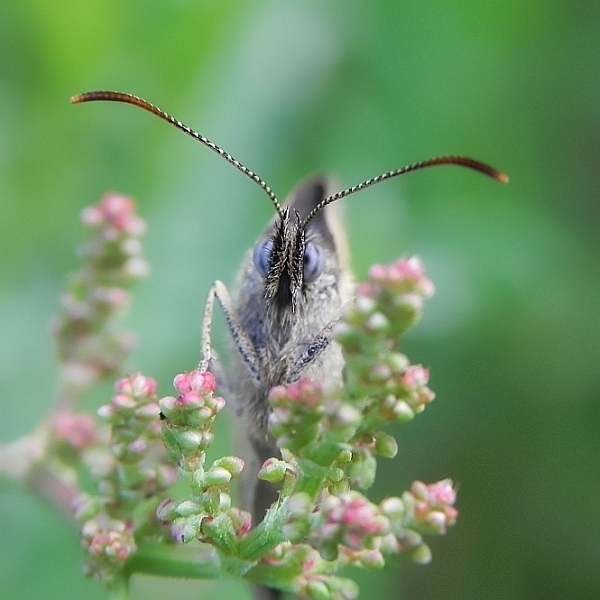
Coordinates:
<point>377,323</point>
<point>372,559</point>
<point>232,463</point>
<point>216,476</point>
<point>273,470</point>
<point>421,555</point>
<point>187,508</point>
<point>189,441</point>
<point>385,445</point>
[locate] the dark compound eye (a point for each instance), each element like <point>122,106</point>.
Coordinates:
<point>262,256</point>
<point>313,262</point>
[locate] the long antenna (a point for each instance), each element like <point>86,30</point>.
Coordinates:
<point>109,96</point>
<point>461,161</point>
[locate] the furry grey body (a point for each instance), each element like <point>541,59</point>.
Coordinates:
<point>289,341</point>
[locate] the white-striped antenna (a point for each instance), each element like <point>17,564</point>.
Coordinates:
<point>109,96</point>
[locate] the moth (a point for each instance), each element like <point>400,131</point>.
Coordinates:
<point>290,292</point>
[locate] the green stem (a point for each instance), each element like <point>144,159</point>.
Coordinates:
<point>310,477</point>
<point>160,559</point>
<point>323,454</point>
<point>119,589</point>
<point>265,536</point>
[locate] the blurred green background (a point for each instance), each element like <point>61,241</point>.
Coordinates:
<point>352,88</point>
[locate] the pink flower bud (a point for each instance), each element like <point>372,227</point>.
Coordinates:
<point>167,405</point>
<point>191,399</point>
<point>123,386</point>
<point>437,520</point>
<point>442,492</point>
<point>181,383</point>
<point>143,386</point>
<point>433,510</point>
<point>203,381</point>
<point>112,541</point>
<point>415,376</point>
<point>77,430</point>
<point>138,446</point>
<point>106,412</point>
<point>121,401</point>
<point>91,216</point>
<point>363,290</point>
<point>218,403</point>
<point>378,273</point>
<point>117,210</point>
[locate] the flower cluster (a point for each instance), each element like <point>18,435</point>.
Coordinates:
<point>109,543</point>
<point>88,345</point>
<point>313,577</point>
<point>425,509</point>
<point>74,431</point>
<point>332,437</point>
<point>207,514</point>
<point>348,519</point>
<point>304,416</point>
<point>350,529</point>
<point>131,469</point>
<point>139,467</point>
<point>370,333</point>
<point>432,506</point>
<point>190,416</point>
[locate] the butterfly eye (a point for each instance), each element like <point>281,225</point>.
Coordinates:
<point>262,256</point>
<point>313,262</point>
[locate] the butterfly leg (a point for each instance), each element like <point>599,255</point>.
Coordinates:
<point>320,342</point>
<point>241,340</point>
